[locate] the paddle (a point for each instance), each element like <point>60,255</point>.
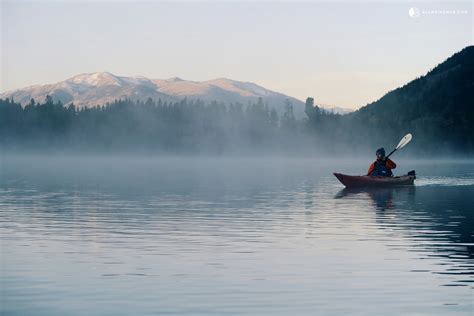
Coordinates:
<point>403,142</point>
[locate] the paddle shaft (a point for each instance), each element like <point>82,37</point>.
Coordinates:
<point>386,157</point>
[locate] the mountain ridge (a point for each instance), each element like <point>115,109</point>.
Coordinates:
<point>98,88</point>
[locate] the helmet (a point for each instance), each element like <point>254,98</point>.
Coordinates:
<point>380,151</point>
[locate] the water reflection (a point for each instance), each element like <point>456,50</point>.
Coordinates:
<point>438,219</point>
<point>381,197</point>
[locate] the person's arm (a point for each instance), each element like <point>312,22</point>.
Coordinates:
<point>371,168</point>
<point>390,164</point>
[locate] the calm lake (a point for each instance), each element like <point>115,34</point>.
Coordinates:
<point>109,236</point>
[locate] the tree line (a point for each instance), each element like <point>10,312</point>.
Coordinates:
<point>185,126</point>
<point>437,109</point>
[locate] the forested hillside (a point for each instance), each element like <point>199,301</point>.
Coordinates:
<point>438,109</point>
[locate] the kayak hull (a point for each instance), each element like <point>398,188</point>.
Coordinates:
<point>369,181</point>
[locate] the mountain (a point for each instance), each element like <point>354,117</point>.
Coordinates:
<point>88,90</point>
<point>437,108</point>
<point>335,109</point>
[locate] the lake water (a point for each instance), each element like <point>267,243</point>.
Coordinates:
<point>108,236</point>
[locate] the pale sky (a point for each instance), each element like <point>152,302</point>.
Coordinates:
<point>345,53</point>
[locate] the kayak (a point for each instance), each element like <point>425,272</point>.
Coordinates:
<point>369,181</point>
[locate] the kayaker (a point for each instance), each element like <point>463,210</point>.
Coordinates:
<point>382,166</point>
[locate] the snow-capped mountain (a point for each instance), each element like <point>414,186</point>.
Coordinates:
<point>88,90</point>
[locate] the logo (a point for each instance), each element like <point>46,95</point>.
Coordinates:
<point>413,12</point>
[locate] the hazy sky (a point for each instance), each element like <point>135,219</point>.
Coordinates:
<point>344,53</point>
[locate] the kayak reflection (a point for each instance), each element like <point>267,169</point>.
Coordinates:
<point>381,197</point>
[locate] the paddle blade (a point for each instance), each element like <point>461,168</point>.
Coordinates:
<point>404,141</point>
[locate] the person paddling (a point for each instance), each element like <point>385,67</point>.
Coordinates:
<point>382,166</point>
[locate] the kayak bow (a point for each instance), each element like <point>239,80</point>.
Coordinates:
<point>369,181</point>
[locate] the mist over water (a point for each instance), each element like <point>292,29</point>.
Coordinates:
<point>232,236</point>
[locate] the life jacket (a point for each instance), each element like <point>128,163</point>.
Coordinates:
<point>381,170</point>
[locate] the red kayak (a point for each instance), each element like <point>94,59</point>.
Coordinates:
<point>369,181</point>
